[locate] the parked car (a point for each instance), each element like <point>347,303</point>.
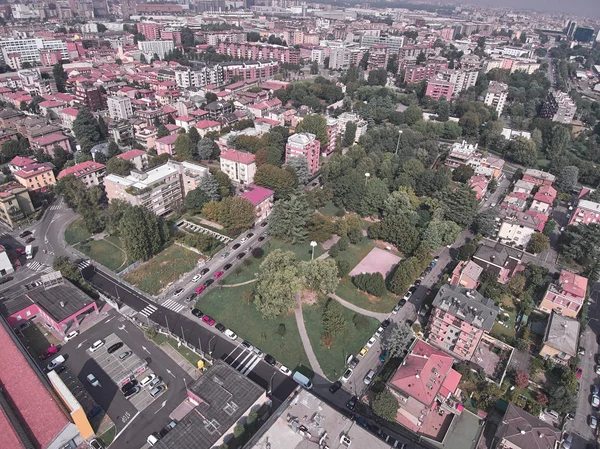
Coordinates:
<point>261,238</point>
<point>196,277</point>
<point>407,296</point>
<point>369,377</point>
<point>353,362</point>
<point>227,267</point>
<point>385,323</point>
<point>371,342</point>
<point>335,386</point>
<point>146,380</point>
<point>270,360</point>
<point>208,282</point>
<point>24,234</point>
<point>218,274</point>
<point>593,422</point>
<point>197,313</point>
<point>71,335</point>
<point>132,392</point>
<point>96,345</point>
<point>240,255</point>
<point>52,350</point>
<point>220,327</point>
<point>129,385</point>
<point>208,320</point>
<point>178,292</point>
<point>60,369</point>
<point>285,370</point>
<point>597,369</point>
<point>97,444</point>
<point>58,361</point>
<point>157,390</point>
<point>92,380</point>
<point>595,390</point>
<point>232,335</point>
<point>346,376</point>
<point>396,309</point>
<point>581,350</point>
<point>29,240</point>
<point>113,348</point>
<point>200,289</point>
<point>124,355</point>
<point>243,239</point>
<point>263,224</point>
<point>5,279</point>
<point>363,351</point>
<point>351,404</point>
<point>204,271</point>
<point>154,382</point>
<point>378,332</point>
<point>236,246</point>
<point>595,401</point>
<point>249,235</point>
<point>402,303</point>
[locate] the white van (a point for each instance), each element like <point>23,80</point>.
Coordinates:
<point>152,439</point>
<point>302,380</point>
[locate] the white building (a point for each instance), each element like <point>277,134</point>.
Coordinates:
<point>160,48</point>
<point>29,49</point>
<point>199,77</point>
<point>119,108</point>
<point>460,79</point>
<point>496,96</point>
<point>361,125</point>
<point>5,263</point>
<point>518,229</point>
<point>239,166</point>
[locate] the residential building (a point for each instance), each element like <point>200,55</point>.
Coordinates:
<point>15,204</point>
<point>158,190</point>
<point>426,387</point>
<point>90,172</point>
<point>306,146</point>
<point>199,76</point>
<point>418,73</point>
<point>544,198</point>
<point>498,260</point>
<point>121,131</point>
<point>216,403</point>
<point>583,34</point>
<point>219,108</point>
<point>558,107</point>
<point>261,199</point>
<point>333,131</point>
<point>67,116</point>
<point>250,70</point>
<point>518,228</point>
<point>29,50</point>
<point>119,108</point>
<point>437,89</point>
<point>459,318</point>
<point>524,187</point>
<point>361,125</point>
<point>166,145</point>
<point>35,176</point>
<point>459,79</point>
<point>207,126</point>
<point>461,153</point>
<point>587,212</point>
<point>18,162</point>
<point>496,96</point>
<point>309,412</point>
<point>566,296</point>
<point>150,30</point>
<point>156,47</point>
<point>138,158</point>
<point>479,185</point>
<point>466,274</point>
<point>191,175</point>
<point>538,177</point>
<point>560,343</point>
<point>6,266</point>
<point>521,430</point>
<point>239,166</point>
<point>88,95</point>
<point>394,43</point>
<point>47,143</point>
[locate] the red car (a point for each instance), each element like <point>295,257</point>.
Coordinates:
<point>208,320</point>
<point>578,372</point>
<point>218,274</point>
<point>200,289</point>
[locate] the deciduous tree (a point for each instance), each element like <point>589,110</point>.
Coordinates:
<point>397,339</point>
<point>282,181</point>
<point>538,243</point>
<point>385,405</point>
<point>320,275</point>
<point>141,233</point>
<point>119,166</point>
<point>184,148</point>
<point>300,167</point>
<point>196,199</point>
<point>315,124</point>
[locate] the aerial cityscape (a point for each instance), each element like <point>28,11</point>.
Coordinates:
<point>281,224</point>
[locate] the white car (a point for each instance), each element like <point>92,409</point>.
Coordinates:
<point>243,239</point>
<point>146,380</point>
<point>371,342</point>
<point>230,334</point>
<point>595,401</point>
<point>408,295</point>
<point>92,380</point>
<point>379,332</point>
<point>369,377</point>
<point>285,370</point>
<point>196,277</point>
<point>97,345</point>
<point>346,375</point>
<point>71,335</point>
<point>395,310</point>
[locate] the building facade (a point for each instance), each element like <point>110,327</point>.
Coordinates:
<point>239,166</point>
<point>119,108</point>
<point>566,296</point>
<point>90,172</point>
<point>306,146</point>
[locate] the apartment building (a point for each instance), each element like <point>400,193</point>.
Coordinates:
<point>496,96</point>
<point>90,96</point>
<point>333,131</point>
<point>466,274</point>
<point>138,158</point>
<point>15,204</point>
<point>239,166</point>
<point>150,30</point>
<point>259,51</point>
<point>459,318</point>
<point>393,43</point>
<point>35,176</point>
<point>459,79</point>
<point>29,50</point>
<point>261,198</point>
<point>119,108</point>
<point>361,125</point>
<point>199,76</point>
<point>90,172</point>
<point>158,47</point>
<point>437,89</point>
<point>461,153</point>
<point>566,296</point>
<point>67,116</point>
<point>306,146</point>
<point>48,142</point>
<point>561,337</point>
<point>498,260</point>
<point>518,228</point>
<point>166,145</point>
<point>250,70</point>
<point>417,73</point>
<point>538,177</point>
<point>558,107</point>
<point>587,212</point>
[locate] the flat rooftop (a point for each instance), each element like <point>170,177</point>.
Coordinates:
<point>141,180</point>
<point>319,419</point>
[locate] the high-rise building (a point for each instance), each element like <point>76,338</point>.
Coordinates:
<point>150,30</point>
<point>437,89</point>
<point>496,96</point>
<point>306,146</point>
<point>333,131</point>
<point>119,108</point>
<point>88,95</point>
<point>583,34</point>
<point>570,29</point>
<point>159,48</point>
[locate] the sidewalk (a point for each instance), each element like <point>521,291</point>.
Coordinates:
<point>312,358</point>
<point>349,305</point>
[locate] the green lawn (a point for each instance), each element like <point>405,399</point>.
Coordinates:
<point>188,354</point>
<point>227,306</point>
<point>162,269</point>
<point>332,360</point>
<point>330,209</point>
<point>346,290</point>
<point>107,252</point>
<point>76,232</point>
<point>108,436</point>
<point>247,270</point>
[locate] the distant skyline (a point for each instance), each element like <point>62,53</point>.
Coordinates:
<point>590,8</point>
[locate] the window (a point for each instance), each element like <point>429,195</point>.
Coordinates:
<point>230,408</point>
<point>211,426</point>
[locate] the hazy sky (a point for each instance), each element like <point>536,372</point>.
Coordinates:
<point>577,7</point>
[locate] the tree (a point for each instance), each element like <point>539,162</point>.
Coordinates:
<point>421,58</point>
<point>549,227</point>
<point>119,166</point>
<point>187,37</point>
<point>567,178</point>
<point>385,405</point>
<point>60,157</point>
<point>485,222</point>
<point>460,205</point>
<point>413,114</point>
<point>101,27</point>
<point>462,173</point>
<point>210,185</point>
<point>538,243</point>
<point>290,218</point>
<point>319,275</point>
<point>443,110</point>
<point>113,149</point>
<point>315,124</point>
<point>466,251</point>
<point>194,135</point>
<point>522,151</point>
<point>403,276</point>
<point>162,131</point>
<point>195,200</point>
<point>282,181</point>
<point>184,148</point>
<point>102,129</point>
<point>277,283</point>
<point>206,149</point>
<point>334,320</point>
<point>60,77</point>
<point>300,167</point>
<point>72,189</point>
<point>440,233</point>
<point>85,126</point>
<point>522,379</point>
<point>236,213</point>
<point>372,283</point>
<point>377,77</point>
<point>397,230</point>
<point>349,134</point>
<point>397,339</point>
<point>142,233</point>
<point>67,269</point>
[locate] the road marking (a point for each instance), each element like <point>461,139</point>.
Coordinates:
<point>169,371</point>
<point>173,305</point>
<point>107,321</point>
<point>252,365</point>
<point>161,407</point>
<point>148,310</point>
<point>81,344</point>
<point>122,328</point>
<point>144,348</point>
<point>126,425</point>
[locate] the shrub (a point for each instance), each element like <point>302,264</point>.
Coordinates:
<point>372,283</point>
<point>522,379</point>
<point>334,251</point>
<point>355,235</point>
<point>343,243</point>
<point>385,405</point>
<point>258,252</point>
<point>281,329</point>
<point>360,321</point>
<point>343,267</point>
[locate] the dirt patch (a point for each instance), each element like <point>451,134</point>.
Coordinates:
<point>308,297</point>
<point>377,261</point>
<point>164,263</point>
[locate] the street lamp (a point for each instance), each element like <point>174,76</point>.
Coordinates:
<point>312,245</point>
<point>210,350</point>
<point>398,143</point>
<point>367,175</point>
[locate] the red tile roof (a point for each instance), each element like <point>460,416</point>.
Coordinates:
<point>49,139</point>
<point>131,154</point>
<point>81,169</point>
<point>70,111</point>
<point>203,124</point>
<point>33,403</point>
<point>423,373</point>
<point>545,194</point>
<point>573,284</point>
<point>168,140</point>
<point>21,161</point>
<point>237,156</point>
<point>32,170</point>
<point>256,194</point>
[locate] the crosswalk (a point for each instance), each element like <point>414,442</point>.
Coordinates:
<point>56,207</point>
<point>245,360</point>
<point>148,310</point>
<point>83,264</point>
<point>37,266</point>
<point>173,305</point>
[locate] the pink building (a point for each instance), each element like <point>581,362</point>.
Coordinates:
<point>90,172</point>
<point>166,145</point>
<point>479,185</point>
<point>139,158</point>
<point>459,318</point>
<point>48,142</point>
<point>538,177</point>
<point>261,199</point>
<point>418,73</point>
<point>546,194</point>
<point>587,212</point>
<point>306,146</point>
<point>50,58</point>
<point>567,296</point>
<point>437,89</point>
<point>466,274</point>
<point>333,131</point>
<point>150,30</point>
<point>427,390</point>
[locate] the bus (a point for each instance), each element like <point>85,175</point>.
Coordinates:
<point>29,251</point>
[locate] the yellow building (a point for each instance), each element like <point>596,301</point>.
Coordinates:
<point>15,203</point>
<point>36,176</point>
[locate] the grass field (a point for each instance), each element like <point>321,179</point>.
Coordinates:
<point>108,436</point>
<point>162,269</point>
<point>189,355</point>
<point>332,360</point>
<point>227,306</point>
<point>76,232</point>
<point>330,209</point>
<point>107,252</point>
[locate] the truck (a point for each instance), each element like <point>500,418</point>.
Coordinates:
<point>29,251</point>
<point>302,380</point>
